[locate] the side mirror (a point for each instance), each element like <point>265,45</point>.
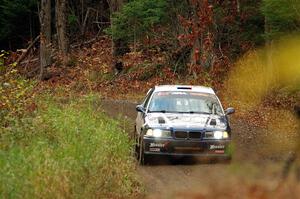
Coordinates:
<point>140,108</point>
<point>229,111</point>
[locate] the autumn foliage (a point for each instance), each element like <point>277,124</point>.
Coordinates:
<point>15,92</point>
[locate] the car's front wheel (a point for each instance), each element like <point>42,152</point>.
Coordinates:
<point>142,156</point>
<point>136,147</point>
<point>139,150</point>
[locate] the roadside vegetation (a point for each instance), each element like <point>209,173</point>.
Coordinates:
<point>67,148</point>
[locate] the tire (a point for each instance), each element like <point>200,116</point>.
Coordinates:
<point>142,157</point>
<point>136,150</point>
<point>139,149</point>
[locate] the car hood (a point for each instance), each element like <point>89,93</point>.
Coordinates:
<point>180,120</point>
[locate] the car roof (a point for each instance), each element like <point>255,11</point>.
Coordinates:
<point>201,89</point>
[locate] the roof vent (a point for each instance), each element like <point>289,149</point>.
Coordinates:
<point>184,88</point>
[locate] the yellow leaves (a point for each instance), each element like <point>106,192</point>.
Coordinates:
<point>14,64</point>
<point>14,94</point>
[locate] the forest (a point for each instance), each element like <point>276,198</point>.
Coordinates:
<point>68,68</point>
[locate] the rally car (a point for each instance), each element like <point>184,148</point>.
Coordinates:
<point>178,120</point>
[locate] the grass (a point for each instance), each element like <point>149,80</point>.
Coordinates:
<point>69,150</point>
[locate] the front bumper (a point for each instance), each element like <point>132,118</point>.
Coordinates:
<point>187,147</point>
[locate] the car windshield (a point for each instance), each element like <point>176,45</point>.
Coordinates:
<point>185,102</point>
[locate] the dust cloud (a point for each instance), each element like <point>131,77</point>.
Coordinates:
<point>263,78</point>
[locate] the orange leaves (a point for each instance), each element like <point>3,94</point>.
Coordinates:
<point>197,30</point>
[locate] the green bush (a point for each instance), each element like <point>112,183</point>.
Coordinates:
<point>69,150</point>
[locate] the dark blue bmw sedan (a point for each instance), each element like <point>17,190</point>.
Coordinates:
<point>177,120</point>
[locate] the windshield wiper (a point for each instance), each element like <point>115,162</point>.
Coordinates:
<point>199,112</point>
<point>192,112</point>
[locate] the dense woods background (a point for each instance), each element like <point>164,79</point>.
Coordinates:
<point>59,57</point>
<point>192,32</point>
<point>192,36</point>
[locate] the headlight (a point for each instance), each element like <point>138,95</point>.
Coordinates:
<point>216,135</point>
<point>158,133</point>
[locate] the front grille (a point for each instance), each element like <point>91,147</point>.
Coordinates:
<point>181,134</point>
<point>187,134</point>
<point>195,135</point>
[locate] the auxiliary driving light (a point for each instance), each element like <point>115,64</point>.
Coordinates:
<point>220,134</point>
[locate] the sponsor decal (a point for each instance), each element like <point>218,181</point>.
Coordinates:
<point>179,93</point>
<point>219,151</point>
<point>154,149</point>
<point>211,147</point>
<point>163,93</point>
<point>160,145</point>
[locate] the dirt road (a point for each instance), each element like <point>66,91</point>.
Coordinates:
<point>192,178</point>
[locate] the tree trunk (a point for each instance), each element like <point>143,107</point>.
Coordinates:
<point>45,36</point>
<point>61,27</point>
<point>119,47</point>
<point>238,6</point>
<point>202,50</point>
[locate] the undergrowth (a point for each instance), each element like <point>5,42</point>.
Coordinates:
<point>66,150</point>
